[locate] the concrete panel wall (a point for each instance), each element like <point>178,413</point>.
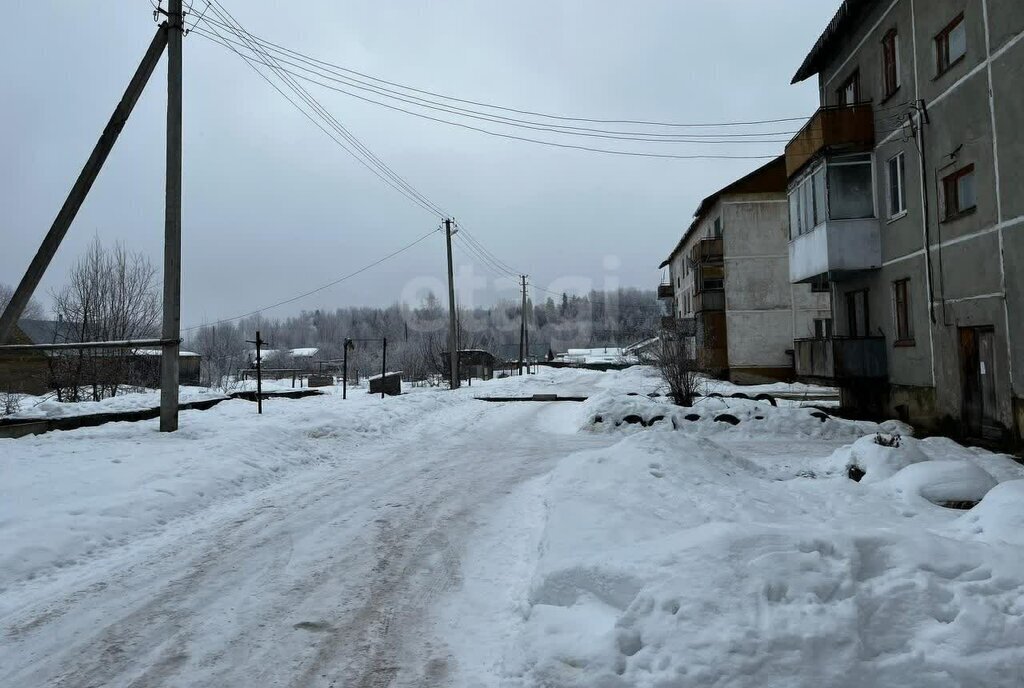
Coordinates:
<point>1006,20</point>
<point>960,133</point>
<point>1013,255</point>
<point>760,339</point>
<point>1008,87</point>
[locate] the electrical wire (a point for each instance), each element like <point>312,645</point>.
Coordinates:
<point>320,288</point>
<point>295,53</point>
<point>364,155</point>
<point>553,143</point>
<point>511,121</point>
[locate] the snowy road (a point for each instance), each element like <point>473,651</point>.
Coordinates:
<point>320,579</point>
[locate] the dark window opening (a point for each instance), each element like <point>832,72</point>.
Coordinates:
<point>959,193</point>
<point>901,311</point>
<point>890,63</point>
<point>849,92</point>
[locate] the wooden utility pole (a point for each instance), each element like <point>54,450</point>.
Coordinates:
<point>453,345</point>
<point>522,326</point>
<point>171,332</point>
<point>344,369</point>
<point>80,190</point>
<point>383,365</point>
<point>259,370</point>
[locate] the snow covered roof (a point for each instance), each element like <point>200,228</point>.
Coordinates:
<point>156,352</point>
<point>302,352</point>
<point>389,373</point>
<point>305,352</point>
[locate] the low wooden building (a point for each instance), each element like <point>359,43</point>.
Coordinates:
<point>38,372</point>
<point>472,363</point>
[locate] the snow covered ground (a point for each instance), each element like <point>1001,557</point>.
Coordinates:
<point>435,540</point>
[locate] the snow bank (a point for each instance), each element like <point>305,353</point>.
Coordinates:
<point>612,411</point>
<point>935,470</point>
<point>668,560</point>
<point>999,516</point>
<point>48,406</point>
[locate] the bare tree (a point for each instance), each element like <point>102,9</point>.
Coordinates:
<point>677,363</point>
<point>111,294</point>
<point>33,311</point>
<point>223,353</point>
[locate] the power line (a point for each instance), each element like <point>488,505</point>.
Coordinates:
<point>655,137</point>
<point>541,141</point>
<point>278,47</point>
<point>366,157</point>
<point>552,143</point>
<point>320,288</point>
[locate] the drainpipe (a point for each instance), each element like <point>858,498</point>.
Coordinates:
<point>922,119</point>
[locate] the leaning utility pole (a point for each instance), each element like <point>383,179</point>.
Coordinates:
<point>83,184</point>
<point>453,347</point>
<point>522,326</point>
<point>171,333</point>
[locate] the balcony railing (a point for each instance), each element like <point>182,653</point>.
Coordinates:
<point>841,358</point>
<point>666,290</point>
<point>709,300</point>
<point>850,127</point>
<point>708,250</point>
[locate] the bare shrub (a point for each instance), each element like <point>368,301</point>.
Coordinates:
<point>676,361</point>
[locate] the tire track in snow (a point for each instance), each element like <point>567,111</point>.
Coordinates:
<point>376,541</point>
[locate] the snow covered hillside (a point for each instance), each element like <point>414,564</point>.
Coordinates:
<point>436,540</point>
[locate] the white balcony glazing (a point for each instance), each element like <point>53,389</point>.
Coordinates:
<point>833,226</point>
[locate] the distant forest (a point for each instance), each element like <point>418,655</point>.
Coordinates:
<point>417,335</point>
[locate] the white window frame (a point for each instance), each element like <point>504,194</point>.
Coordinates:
<point>900,160</point>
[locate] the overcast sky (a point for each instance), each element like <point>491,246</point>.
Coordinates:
<point>273,208</point>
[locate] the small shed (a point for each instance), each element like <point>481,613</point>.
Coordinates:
<point>476,363</point>
<point>389,383</point>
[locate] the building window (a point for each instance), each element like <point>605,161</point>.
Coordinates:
<point>822,328</point>
<point>896,171</point>
<point>959,194</point>
<point>849,92</point>
<point>901,311</point>
<point>851,194</point>
<point>713,284</point>
<point>718,228</point>
<point>807,207</point>
<point>820,284</point>
<point>951,45</point>
<point>890,63</point>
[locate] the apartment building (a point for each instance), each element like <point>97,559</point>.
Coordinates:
<point>729,285</point>
<point>906,197</point>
